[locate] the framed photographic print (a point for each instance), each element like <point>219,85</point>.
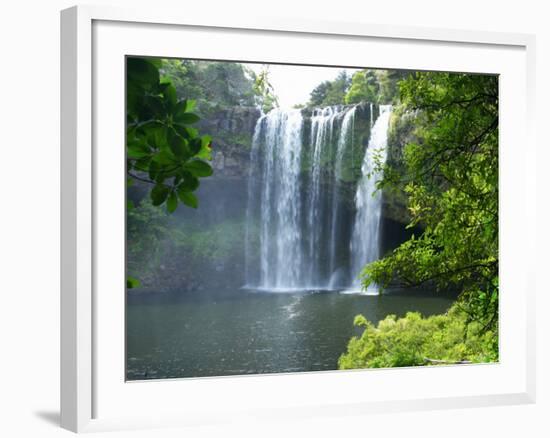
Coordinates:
<point>252,209</point>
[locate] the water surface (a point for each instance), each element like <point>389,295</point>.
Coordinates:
<point>217,333</point>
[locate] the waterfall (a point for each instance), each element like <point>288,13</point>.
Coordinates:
<point>252,200</point>
<point>275,167</point>
<point>322,127</point>
<point>365,245</point>
<point>297,218</point>
<point>346,134</point>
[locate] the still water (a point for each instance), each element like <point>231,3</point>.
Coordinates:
<point>250,332</point>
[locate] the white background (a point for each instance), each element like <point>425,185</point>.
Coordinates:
<point>29,223</point>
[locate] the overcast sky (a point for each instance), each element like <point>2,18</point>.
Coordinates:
<point>293,84</point>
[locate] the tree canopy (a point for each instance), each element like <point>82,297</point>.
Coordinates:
<point>218,85</point>
<point>368,85</point>
<point>376,86</point>
<point>330,92</point>
<point>450,176</point>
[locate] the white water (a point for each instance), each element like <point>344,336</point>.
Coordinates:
<point>281,256</point>
<point>365,242</point>
<point>296,222</point>
<point>345,138</point>
<point>322,128</point>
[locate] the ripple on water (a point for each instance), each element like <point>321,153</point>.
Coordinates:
<point>291,310</point>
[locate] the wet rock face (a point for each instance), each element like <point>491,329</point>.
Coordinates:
<point>394,207</point>
<point>232,131</point>
<point>401,132</point>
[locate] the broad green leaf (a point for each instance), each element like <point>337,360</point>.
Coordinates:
<point>164,158</point>
<point>160,137</point>
<point>199,168</point>
<point>152,108</point>
<point>135,155</point>
<point>137,150</point>
<point>191,103</point>
<point>159,194</point>
<point>170,96</point>
<point>195,146</point>
<point>206,140</point>
<point>178,145</point>
<point>180,108</point>
<point>141,72</point>
<point>187,118</point>
<point>184,106</point>
<point>172,202</point>
<point>188,198</point>
<point>192,132</point>
<point>190,183</point>
<point>154,170</point>
<point>205,153</point>
<point>143,164</point>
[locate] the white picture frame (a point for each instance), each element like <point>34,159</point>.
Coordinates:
<point>94,41</point>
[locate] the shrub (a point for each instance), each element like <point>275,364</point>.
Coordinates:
<point>415,340</point>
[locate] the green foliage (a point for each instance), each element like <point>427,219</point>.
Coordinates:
<point>218,85</point>
<point>376,86</point>
<point>188,198</point>
<point>330,92</point>
<point>318,94</point>
<point>264,90</point>
<point>414,340</point>
<point>185,77</point>
<point>162,147</point>
<point>364,87</point>
<point>369,85</point>
<point>157,238</point>
<point>209,243</point>
<point>146,228</point>
<point>451,182</point>
<point>242,140</point>
<point>389,82</point>
<point>132,282</point>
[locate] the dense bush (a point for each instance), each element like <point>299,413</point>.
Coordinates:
<point>369,85</point>
<point>330,92</point>
<point>219,85</point>
<point>414,340</point>
<point>376,86</point>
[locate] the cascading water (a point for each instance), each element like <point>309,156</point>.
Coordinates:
<point>322,127</point>
<point>365,245</point>
<point>346,134</point>
<point>297,219</point>
<point>281,258</point>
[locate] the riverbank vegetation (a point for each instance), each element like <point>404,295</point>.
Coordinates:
<point>415,340</point>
